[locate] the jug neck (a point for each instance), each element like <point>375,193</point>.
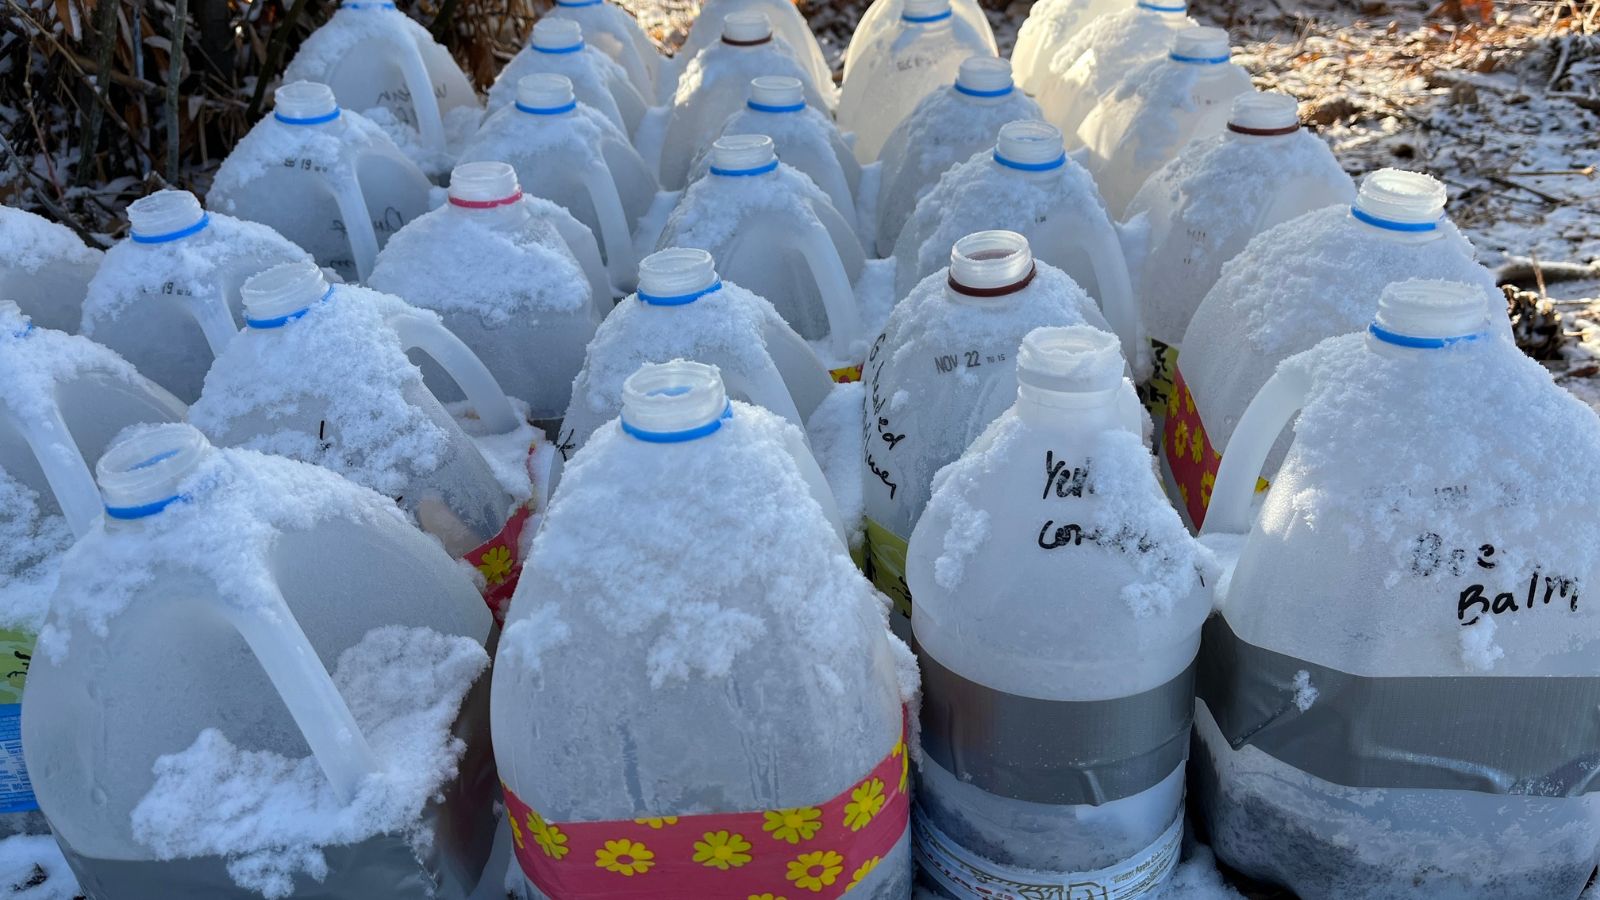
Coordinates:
<point>1069,378</point>
<point>1166,10</point>
<point>1092,411</point>
<point>143,474</point>
<point>487,193</point>
<point>674,403</point>
<point>1424,316</point>
<point>166,216</point>
<point>365,5</point>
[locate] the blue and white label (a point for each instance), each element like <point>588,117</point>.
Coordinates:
<point>16,792</point>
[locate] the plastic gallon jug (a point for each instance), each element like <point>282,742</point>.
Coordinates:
<point>612,31</point>
<point>384,65</point>
<point>320,374</point>
<point>557,47</point>
<point>66,397</point>
<point>787,23</point>
<point>685,707</point>
<point>775,233</point>
<point>209,724</point>
<point>714,85</point>
<point>1025,183</point>
<point>325,178</point>
<point>918,55</point>
<point>944,130</point>
<point>943,369</point>
<point>1159,108</point>
<point>684,310</point>
<point>46,268</point>
<point>1095,60</point>
<point>1398,698</point>
<point>167,297</point>
<point>1312,277</point>
<point>884,15</point>
<point>1056,631</point>
<point>573,156</point>
<point>1199,210</point>
<point>1047,29</point>
<point>496,267</point>
<point>805,139</point>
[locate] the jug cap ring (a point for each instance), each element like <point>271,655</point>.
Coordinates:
<point>1071,359</point>
<point>1161,7</point>
<point>1427,314</point>
<point>776,94</point>
<point>556,35</point>
<point>749,28</point>
<point>674,402</point>
<point>139,476</point>
<point>1200,45</point>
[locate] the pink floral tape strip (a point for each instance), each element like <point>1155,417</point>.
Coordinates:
<point>818,851</point>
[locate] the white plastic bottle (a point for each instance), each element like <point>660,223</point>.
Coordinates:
<point>1201,208</point>
<point>573,156</point>
<point>496,267</point>
<point>918,55</point>
<point>320,374</point>
<point>386,66</point>
<point>944,130</point>
<point>557,47</point>
<point>1057,640</point>
<point>167,297</point>
<point>943,369</point>
<point>1047,29</point>
<point>65,399</point>
<point>1095,60</point>
<point>1417,584</point>
<point>775,233</point>
<point>325,178</point>
<point>617,34</point>
<point>714,85</point>
<point>46,268</point>
<point>883,15</point>
<point>787,23</point>
<point>685,310</point>
<point>805,139</point>
<point>253,714</point>
<point>1159,108</point>
<point>1025,184</point>
<point>1312,277</point>
<point>720,697</point>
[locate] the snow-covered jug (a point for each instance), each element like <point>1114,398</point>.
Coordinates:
<point>326,178</point>
<point>1398,698</point>
<point>1095,61</point>
<point>1050,25</point>
<point>557,47</point>
<point>46,268</point>
<point>617,34</point>
<point>685,708</point>
<point>209,724</point>
<point>167,297</point>
<point>1056,632</point>
<point>883,15</point>
<point>787,23</point>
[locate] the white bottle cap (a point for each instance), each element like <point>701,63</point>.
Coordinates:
<point>142,474</point>
<point>743,154</point>
<point>775,93</point>
<point>984,76</point>
<point>1264,112</point>
<point>1429,310</point>
<point>164,216</point>
<point>1074,359</point>
<point>675,273</point>
<point>925,10</point>
<point>1394,197</point>
<point>990,263</point>
<point>747,27</point>
<point>1200,45</point>
<point>477,185</point>
<point>304,103</point>
<point>545,92</point>
<point>674,401</point>
<point>275,296</point>
<point>1029,142</point>
<point>554,35</point>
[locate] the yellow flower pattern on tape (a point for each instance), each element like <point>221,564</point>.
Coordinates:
<point>865,802</point>
<point>553,842</point>
<point>722,850</point>
<point>863,871</point>
<point>496,565</point>
<point>816,870</point>
<point>626,858</point>
<point>765,897</point>
<point>793,825</point>
<point>657,822</point>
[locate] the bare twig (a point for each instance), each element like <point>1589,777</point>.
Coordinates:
<point>275,45</point>
<point>105,38</point>
<point>180,20</point>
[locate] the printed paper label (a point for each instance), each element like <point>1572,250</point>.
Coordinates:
<point>886,565</point>
<point>16,792</point>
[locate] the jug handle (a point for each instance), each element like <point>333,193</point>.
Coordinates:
<point>418,332</point>
<point>838,295</point>
<point>614,231</point>
<point>1258,429</point>
<point>66,470</point>
<point>766,390</point>
<point>430,122</point>
<point>1116,290</point>
<point>581,243</point>
<point>357,223</point>
<point>821,491</point>
<point>302,681</point>
<point>215,320</point>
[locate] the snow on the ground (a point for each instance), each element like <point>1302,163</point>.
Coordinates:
<point>32,868</point>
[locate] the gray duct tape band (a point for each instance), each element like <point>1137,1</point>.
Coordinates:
<point>1536,736</point>
<point>1077,752</point>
